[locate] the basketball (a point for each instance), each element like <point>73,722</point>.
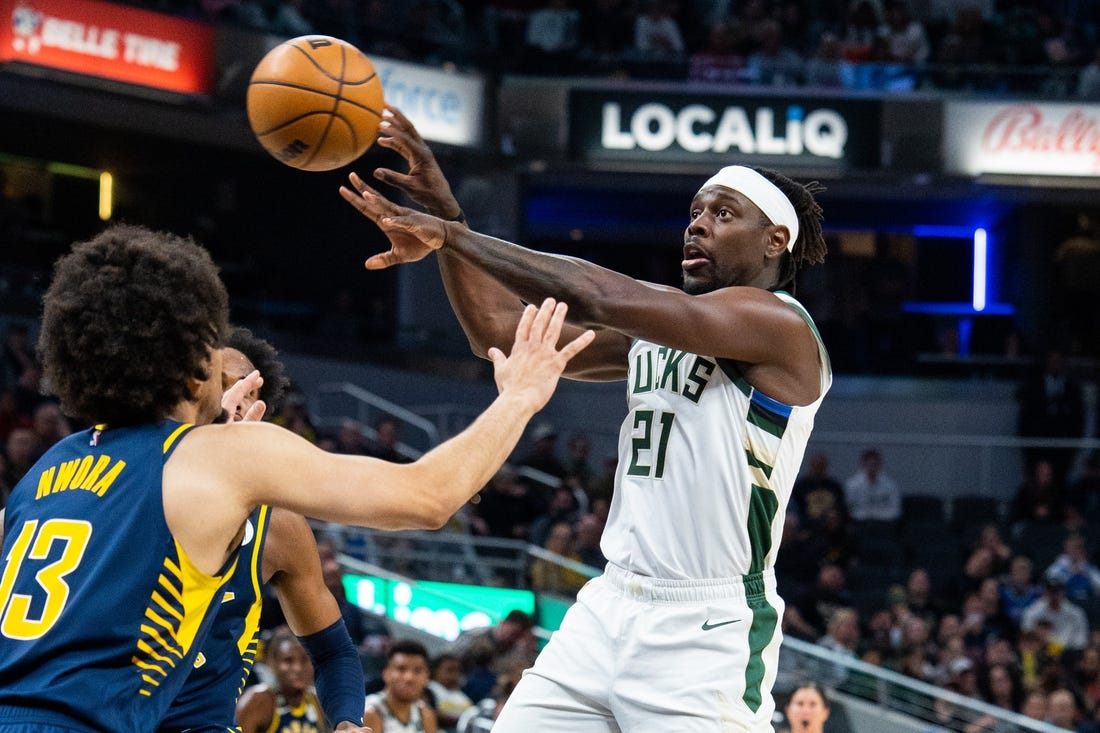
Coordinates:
<point>315,102</point>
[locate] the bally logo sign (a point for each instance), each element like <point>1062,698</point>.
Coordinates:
<point>111,41</point>
<point>1022,138</point>
<point>619,126</point>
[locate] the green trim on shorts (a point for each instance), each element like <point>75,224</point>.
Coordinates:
<point>765,618</point>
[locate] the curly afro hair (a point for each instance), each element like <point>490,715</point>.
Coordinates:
<point>265,358</point>
<point>129,317</point>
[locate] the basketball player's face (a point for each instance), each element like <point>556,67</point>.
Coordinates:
<point>235,367</point>
<point>725,241</point>
<point>406,676</point>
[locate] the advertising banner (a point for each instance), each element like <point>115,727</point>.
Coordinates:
<point>109,41</point>
<point>445,107</point>
<point>1022,138</point>
<point>683,127</point>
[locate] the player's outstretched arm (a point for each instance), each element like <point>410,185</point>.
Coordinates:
<point>487,311</point>
<point>218,473</point>
<point>291,565</point>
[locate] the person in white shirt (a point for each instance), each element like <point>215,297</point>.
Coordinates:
<point>870,493</point>
<point>1069,626</point>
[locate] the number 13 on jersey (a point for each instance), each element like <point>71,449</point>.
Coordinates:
<point>650,442</point>
<point>51,592</point>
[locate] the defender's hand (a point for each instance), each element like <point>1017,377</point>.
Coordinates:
<point>535,364</point>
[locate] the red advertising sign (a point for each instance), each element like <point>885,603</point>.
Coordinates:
<point>110,41</point>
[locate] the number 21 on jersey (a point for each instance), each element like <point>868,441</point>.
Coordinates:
<point>31,545</point>
<point>650,442</point>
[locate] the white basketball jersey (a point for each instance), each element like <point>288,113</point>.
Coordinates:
<point>706,465</point>
<point>390,723</point>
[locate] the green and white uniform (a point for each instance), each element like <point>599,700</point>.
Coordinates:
<point>688,603</point>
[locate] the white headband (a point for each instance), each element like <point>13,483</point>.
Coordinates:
<point>762,192</point>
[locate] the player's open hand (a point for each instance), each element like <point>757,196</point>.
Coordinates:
<point>535,364</point>
<point>412,234</point>
<point>424,183</point>
<point>234,397</point>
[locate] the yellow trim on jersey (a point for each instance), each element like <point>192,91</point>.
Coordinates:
<point>248,641</point>
<point>174,435</point>
<point>175,632</point>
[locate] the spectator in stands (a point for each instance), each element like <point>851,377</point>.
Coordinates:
<point>990,538</point>
<point>549,576</point>
<point>861,29</point>
<point>1039,498</point>
<point>1086,678</point>
<point>1001,686</point>
<point>387,434</point>
<point>797,566</point>
<point>294,416</point>
<point>919,597</point>
<point>1035,705</point>
<point>871,493</point>
<point>18,352</point>
<point>287,19</point>
<point>1018,591</point>
<point>1079,577</point>
<point>824,599</point>
<point>717,61</point>
<point>826,67</point>
<point>907,41</point>
<point>445,687</point>
<point>507,506</point>
<point>807,710</point>
<point>290,700</point>
<point>49,424</point>
<point>509,641</point>
<point>772,63</point>
<point>20,452</point>
<point>552,37</point>
<point>578,456</point>
<point>350,439</point>
<point>543,453</point>
<point>1062,711</point>
<point>1088,81</point>
<point>842,636</point>
<point>816,492</point>
<point>1051,405</point>
<point>1069,627</point>
<point>656,32</point>
<point>400,706</point>
<point>589,530</point>
<point>562,508</point>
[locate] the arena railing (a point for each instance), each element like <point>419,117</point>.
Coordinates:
<point>897,702</point>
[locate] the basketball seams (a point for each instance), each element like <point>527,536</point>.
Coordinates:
<point>288,85</point>
<point>335,106</point>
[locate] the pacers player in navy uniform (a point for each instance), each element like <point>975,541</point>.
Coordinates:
<point>118,541</point>
<point>278,548</point>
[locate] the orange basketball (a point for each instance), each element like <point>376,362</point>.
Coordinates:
<point>315,102</point>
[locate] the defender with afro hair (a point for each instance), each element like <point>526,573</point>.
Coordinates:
<point>130,318</point>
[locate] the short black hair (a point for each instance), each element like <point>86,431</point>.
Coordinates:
<point>265,358</point>
<point>130,316</point>
<point>407,647</point>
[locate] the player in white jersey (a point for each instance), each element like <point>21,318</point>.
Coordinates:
<point>724,379</point>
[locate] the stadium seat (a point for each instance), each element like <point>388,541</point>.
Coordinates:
<point>922,507</point>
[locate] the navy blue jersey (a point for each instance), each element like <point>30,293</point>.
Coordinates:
<point>101,612</point>
<point>209,697</point>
